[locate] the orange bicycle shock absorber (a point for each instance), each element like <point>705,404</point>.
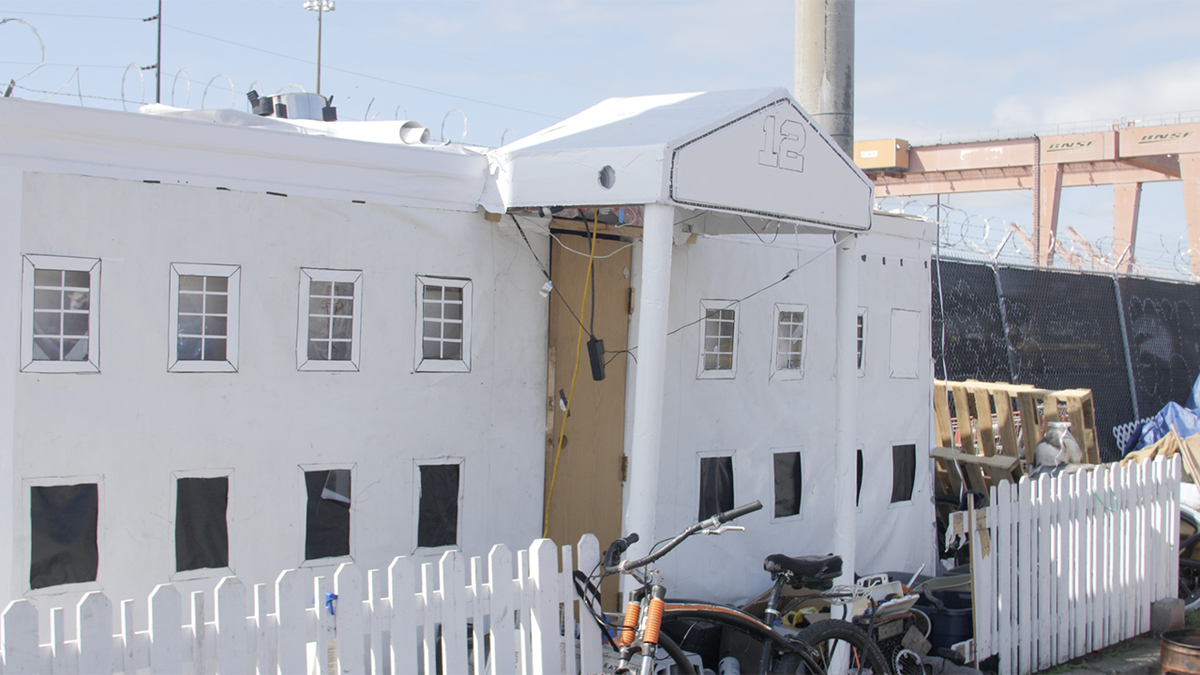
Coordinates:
<point>633,610</point>
<point>654,614</point>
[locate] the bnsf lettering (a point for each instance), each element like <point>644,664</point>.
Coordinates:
<point>1165,138</point>
<point>1074,145</point>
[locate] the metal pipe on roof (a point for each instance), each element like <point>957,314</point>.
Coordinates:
<point>825,66</point>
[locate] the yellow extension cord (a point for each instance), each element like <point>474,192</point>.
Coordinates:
<point>562,430</point>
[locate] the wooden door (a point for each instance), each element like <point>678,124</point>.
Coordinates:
<point>587,485</point>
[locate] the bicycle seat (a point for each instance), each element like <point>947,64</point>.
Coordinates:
<point>816,568</point>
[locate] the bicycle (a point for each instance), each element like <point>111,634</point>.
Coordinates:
<point>651,621</point>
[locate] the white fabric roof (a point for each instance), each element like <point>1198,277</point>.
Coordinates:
<point>750,151</point>
<point>239,151</point>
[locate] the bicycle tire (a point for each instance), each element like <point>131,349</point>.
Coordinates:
<point>682,665</point>
<point>819,641</point>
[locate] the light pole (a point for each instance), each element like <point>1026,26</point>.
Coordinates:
<point>321,6</point>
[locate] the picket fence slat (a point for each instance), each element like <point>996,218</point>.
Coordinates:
<point>1069,564</point>
<point>502,659</point>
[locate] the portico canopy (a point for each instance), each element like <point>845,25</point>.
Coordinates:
<point>749,152</point>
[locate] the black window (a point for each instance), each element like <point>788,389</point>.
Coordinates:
<point>63,534</point>
<point>437,522</point>
<point>327,533</point>
<point>858,489</point>
<point>904,467</point>
<point>788,484</point>
<point>716,485</point>
<point>201,531</point>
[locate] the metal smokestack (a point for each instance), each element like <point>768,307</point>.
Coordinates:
<point>825,66</point>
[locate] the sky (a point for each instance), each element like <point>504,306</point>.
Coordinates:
<point>487,71</point>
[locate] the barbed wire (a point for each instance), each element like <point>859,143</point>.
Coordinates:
<point>973,237</point>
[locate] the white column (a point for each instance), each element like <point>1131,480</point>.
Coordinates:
<point>653,300</point>
<point>845,514</point>
<point>14,567</point>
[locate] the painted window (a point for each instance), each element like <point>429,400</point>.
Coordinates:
<point>203,335</point>
<point>327,526</point>
<point>444,329</point>
<point>790,331</point>
<point>716,485</point>
<point>438,505</point>
<point>858,478</point>
<point>63,524</point>
<point>330,321</point>
<point>718,339</point>
<point>904,467</point>
<point>201,529</point>
<point>862,338</point>
<point>788,483</point>
<point>60,314</point>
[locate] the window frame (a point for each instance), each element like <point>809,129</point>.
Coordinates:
<point>30,264</point>
<point>422,364</point>
<point>718,374</point>
<point>24,550</point>
<point>416,509</point>
<point>778,373</point>
<point>232,311</point>
<point>799,451</point>
<point>333,560</point>
<point>307,276</point>
<point>204,572</point>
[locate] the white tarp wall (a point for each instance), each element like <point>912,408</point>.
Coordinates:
<point>134,428</point>
<point>760,411</point>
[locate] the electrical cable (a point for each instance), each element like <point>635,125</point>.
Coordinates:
<point>546,272</point>
<point>369,77</point>
<point>562,430</point>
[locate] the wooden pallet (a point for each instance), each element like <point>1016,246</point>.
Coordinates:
<point>998,419</point>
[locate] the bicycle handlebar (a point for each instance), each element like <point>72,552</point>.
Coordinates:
<point>714,521</point>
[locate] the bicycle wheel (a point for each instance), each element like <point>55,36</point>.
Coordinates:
<point>820,650</point>
<point>682,665</point>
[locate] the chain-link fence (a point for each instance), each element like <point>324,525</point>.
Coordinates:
<point>1134,342</point>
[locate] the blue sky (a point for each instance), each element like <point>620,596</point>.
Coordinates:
<point>924,68</point>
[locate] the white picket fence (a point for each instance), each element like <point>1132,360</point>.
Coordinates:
<point>1065,566</point>
<point>400,620</point>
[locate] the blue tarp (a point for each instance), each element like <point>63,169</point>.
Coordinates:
<point>1186,421</point>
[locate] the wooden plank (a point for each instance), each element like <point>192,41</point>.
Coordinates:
<point>426,649</point>
<point>19,631</point>
<point>349,624</point>
<point>521,606</point>
<point>1030,424</point>
<point>941,416</point>
<point>1000,462</point>
<point>128,639</point>
<point>402,646</point>
<point>1025,543</point>
<point>1004,421</point>
<point>502,660</point>
<point>962,413</point>
<point>166,631</point>
<point>230,613</point>
<point>983,420</point>
<point>451,575</point>
<point>1006,567</point>
<point>476,593</point>
<point>566,591</point>
<point>1044,577</point>
<point>544,639</point>
<point>291,619</point>
<point>590,645</point>
<point>1062,567</point>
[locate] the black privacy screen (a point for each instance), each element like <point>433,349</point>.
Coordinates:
<point>63,522</point>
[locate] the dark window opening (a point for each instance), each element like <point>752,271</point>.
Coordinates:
<point>201,529</point>
<point>716,485</point>
<point>858,489</point>
<point>904,468</point>
<point>327,532</point>
<point>437,520</point>
<point>788,484</point>
<point>63,521</point>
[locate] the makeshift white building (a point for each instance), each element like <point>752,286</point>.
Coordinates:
<point>240,344</point>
